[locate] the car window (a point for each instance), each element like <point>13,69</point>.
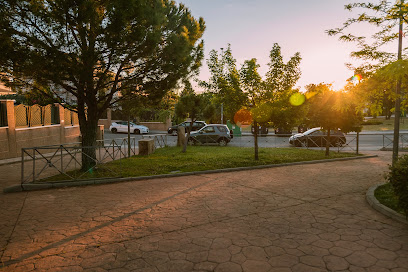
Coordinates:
<point>336,132</point>
<point>317,133</point>
<point>209,130</point>
<point>222,129</point>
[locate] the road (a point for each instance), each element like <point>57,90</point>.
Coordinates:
<point>367,140</point>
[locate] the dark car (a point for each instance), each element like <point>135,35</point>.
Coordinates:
<point>318,137</point>
<point>211,134</point>
<point>196,126</point>
<point>262,130</point>
<point>283,131</point>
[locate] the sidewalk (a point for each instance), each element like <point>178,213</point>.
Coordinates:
<point>293,218</point>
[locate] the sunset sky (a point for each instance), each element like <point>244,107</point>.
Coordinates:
<point>253,26</point>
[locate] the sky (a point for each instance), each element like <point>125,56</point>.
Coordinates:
<point>253,26</point>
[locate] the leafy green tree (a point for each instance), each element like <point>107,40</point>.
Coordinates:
<point>388,19</point>
<point>331,110</point>
<point>280,84</point>
<point>382,16</point>
<point>281,76</point>
<point>224,82</point>
<point>93,50</point>
<point>251,83</point>
<point>189,105</point>
<point>270,98</point>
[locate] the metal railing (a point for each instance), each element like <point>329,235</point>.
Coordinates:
<point>160,140</point>
<point>388,141</point>
<point>65,161</point>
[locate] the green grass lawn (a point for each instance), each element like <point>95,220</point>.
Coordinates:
<point>385,195</point>
<point>199,158</point>
<point>386,124</point>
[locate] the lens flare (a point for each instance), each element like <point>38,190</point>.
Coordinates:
<point>243,118</point>
<point>356,78</point>
<point>297,99</point>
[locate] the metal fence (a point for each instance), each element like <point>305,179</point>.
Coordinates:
<point>388,141</point>
<point>36,115</point>
<point>39,163</point>
<point>64,162</point>
<point>354,142</point>
<point>160,140</point>
<point>32,116</point>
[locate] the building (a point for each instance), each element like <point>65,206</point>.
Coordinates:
<point>5,90</point>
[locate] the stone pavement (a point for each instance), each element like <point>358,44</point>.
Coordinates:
<point>292,218</point>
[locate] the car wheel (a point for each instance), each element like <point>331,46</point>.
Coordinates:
<point>338,143</point>
<point>174,132</point>
<point>222,142</point>
<point>114,130</point>
<point>136,131</point>
<point>191,141</point>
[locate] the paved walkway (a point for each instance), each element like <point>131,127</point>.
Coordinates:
<point>296,218</point>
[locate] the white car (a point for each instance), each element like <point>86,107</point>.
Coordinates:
<point>122,126</point>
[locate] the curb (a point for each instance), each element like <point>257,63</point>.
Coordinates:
<point>51,185</point>
<point>373,202</point>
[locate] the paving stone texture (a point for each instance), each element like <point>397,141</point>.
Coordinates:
<point>293,218</point>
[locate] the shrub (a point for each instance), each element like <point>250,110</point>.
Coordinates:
<point>398,177</point>
<point>372,122</point>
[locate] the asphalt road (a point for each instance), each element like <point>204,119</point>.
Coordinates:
<point>367,141</point>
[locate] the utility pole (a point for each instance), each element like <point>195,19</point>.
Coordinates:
<point>397,111</point>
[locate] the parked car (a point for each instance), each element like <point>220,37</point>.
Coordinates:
<point>283,131</point>
<point>210,134</point>
<point>262,130</point>
<point>122,126</point>
<point>196,126</point>
<point>302,128</point>
<point>318,137</point>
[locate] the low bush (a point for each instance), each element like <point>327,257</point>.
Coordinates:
<point>372,123</point>
<point>398,177</point>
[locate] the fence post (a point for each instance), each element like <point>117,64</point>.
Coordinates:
<point>61,122</point>
<point>11,131</point>
<point>358,142</point>
<point>109,117</point>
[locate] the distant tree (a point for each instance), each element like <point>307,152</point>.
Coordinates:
<point>280,84</point>
<point>189,105</point>
<point>383,16</point>
<point>251,83</point>
<point>281,76</point>
<point>331,110</point>
<point>224,82</point>
<point>94,50</point>
<point>270,98</point>
<point>388,19</point>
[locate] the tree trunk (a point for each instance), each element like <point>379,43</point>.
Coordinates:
<point>188,136</point>
<point>89,145</point>
<point>256,127</point>
<point>88,124</point>
<point>181,136</point>
<point>128,136</point>
<point>328,143</point>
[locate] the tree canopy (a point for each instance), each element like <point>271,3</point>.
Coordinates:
<point>93,50</point>
<point>384,17</point>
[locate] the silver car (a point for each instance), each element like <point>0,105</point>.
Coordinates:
<point>211,134</point>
